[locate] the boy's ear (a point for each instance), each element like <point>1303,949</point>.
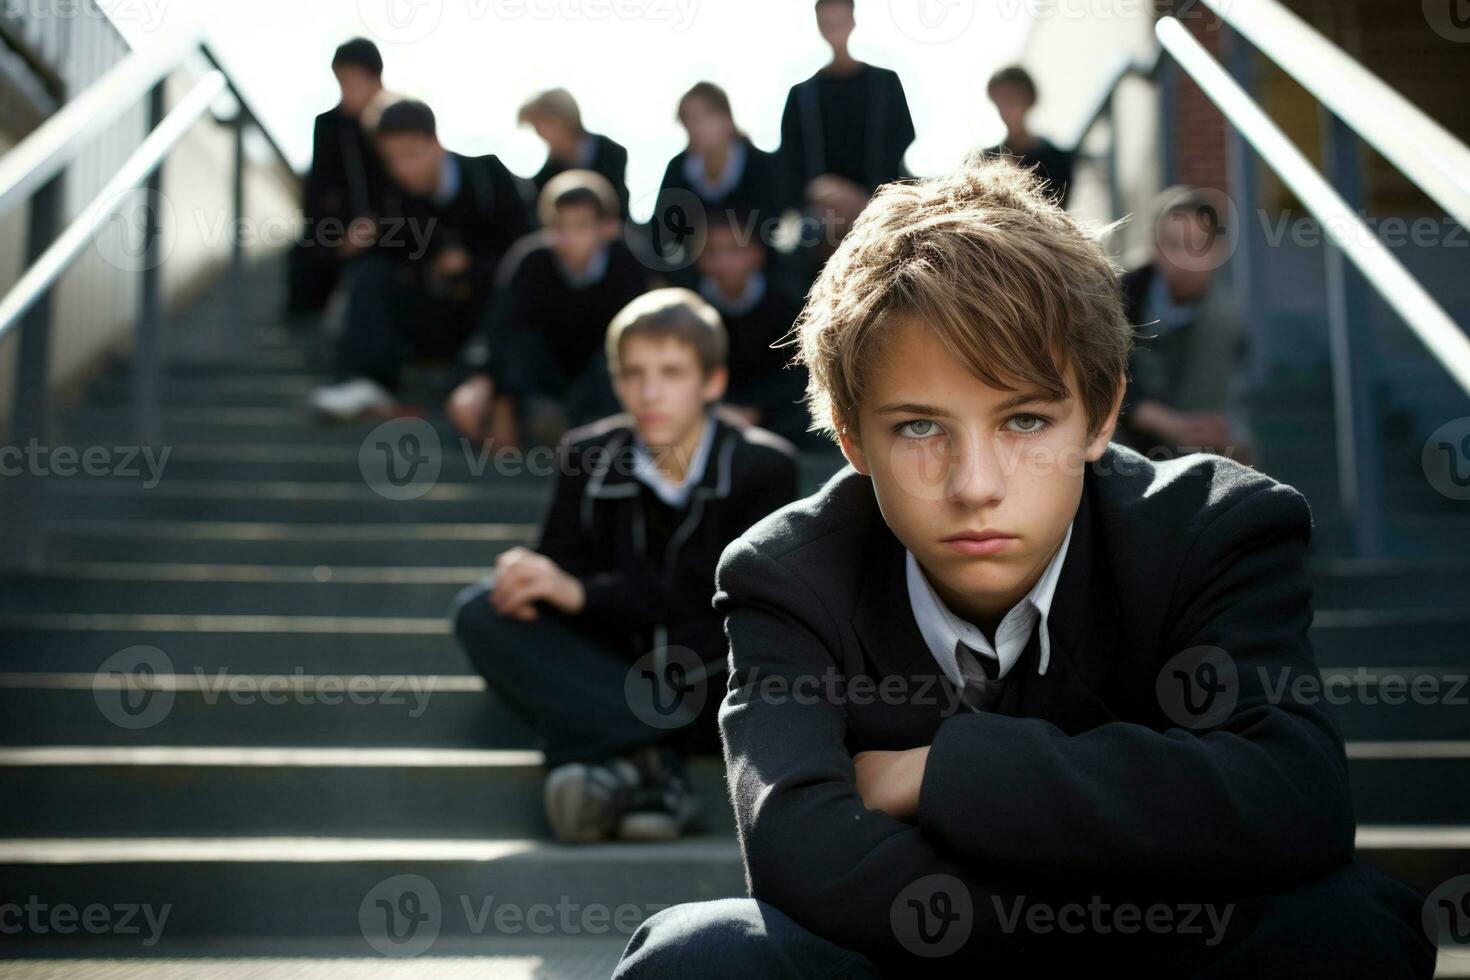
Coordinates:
<point>714,385</point>
<point>852,447</point>
<point>1098,444</point>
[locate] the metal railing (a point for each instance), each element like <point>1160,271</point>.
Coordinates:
<point>1355,104</point>
<point>34,171</point>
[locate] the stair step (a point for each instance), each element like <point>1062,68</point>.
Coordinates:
<point>194,791</point>
<point>270,888</point>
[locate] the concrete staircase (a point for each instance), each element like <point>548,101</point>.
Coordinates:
<point>314,775</point>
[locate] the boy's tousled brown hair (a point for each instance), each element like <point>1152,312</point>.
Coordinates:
<point>672,312</point>
<point>1015,289</point>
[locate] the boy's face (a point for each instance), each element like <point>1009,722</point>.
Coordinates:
<point>358,85</point>
<point>949,454</point>
<point>1190,249</point>
<point>413,161</point>
<point>835,22</point>
<point>661,384</point>
<point>728,262</point>
<point>552,131</point>
<point>577,233</point>
<point>710,130</point>
<point>1012,102</point>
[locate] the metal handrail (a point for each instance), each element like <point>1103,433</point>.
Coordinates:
<point>1124,68</point>
<point>57,142</point>
<point>1408,138</point>
<point>1440,334</point>
<point>144,160</point>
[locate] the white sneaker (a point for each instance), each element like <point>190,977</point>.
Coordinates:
<point>350,399</point>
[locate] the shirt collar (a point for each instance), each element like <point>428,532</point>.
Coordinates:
<point>448,180</point>
<point>723,184</point>
<point>942,629</point>
<point>646,471</point>
<point>596,269</point>
<point>755,291</point>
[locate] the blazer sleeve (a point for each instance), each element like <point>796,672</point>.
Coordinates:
<point>1258,798</point>
<point>810,845</point>
<point>793,150</point>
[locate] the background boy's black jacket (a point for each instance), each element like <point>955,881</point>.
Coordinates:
<point>1081,783</point>
<point>757,198</point>
<point>346,179</point>
<point>600,516</point>
<point>856,127</point>
<point>485,218</point>
<point>609,158</point>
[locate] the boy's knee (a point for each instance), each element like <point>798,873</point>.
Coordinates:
<point>732,937</point>
<point>471,613</point>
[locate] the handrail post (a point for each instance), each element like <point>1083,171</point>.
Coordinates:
<point>237,254</point>
<point>1354,381</point>
<point>147,345</point>
<point>30,415</point>
<point>1248,267</point>
<point>1115,192</point>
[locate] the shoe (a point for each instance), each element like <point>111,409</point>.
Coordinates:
<point>664,806</point>
<point>351,399</point>
<point>585,801</point>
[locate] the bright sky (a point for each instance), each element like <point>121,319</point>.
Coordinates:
<point>626,61</point>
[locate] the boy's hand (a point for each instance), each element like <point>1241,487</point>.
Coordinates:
<point>890,781</point>
<point>524,576</point>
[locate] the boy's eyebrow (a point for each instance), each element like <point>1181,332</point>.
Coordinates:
<point>1021,398</point>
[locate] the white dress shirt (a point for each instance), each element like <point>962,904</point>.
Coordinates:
<point>674,494</point>
<point>942,629</point>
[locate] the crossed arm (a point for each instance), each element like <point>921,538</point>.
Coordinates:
<point>1259,802</point>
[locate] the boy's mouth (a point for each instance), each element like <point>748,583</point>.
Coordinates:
<point>986,542</point>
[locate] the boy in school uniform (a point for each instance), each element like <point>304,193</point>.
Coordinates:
<point>998,670</point>
<point>596,637</point>
<point>343,194</point>
<point>447,222</point>
<point>557,119</point>
<point>536,367</point>
<point>1014,93</point>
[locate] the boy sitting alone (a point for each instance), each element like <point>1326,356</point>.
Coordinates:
<point>617,594</point>
<point>998,670</point>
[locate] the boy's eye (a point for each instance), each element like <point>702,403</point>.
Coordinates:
<point>1027,425</point>
<point>918,429</point>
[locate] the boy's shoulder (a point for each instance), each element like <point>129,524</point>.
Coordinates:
<point>753,450</point>
<point>825,539</point>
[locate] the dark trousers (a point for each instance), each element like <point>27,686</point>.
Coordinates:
<point>570,687</point>
<point>312,272</point>
<point>391,320</point>
<point>527,370</point>
<point>1353,922</point>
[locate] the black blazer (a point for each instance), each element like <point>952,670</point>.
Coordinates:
<point>1081,782</point>
<point>595,531</point>
<point>609,158</point>
<point>347,179</point>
